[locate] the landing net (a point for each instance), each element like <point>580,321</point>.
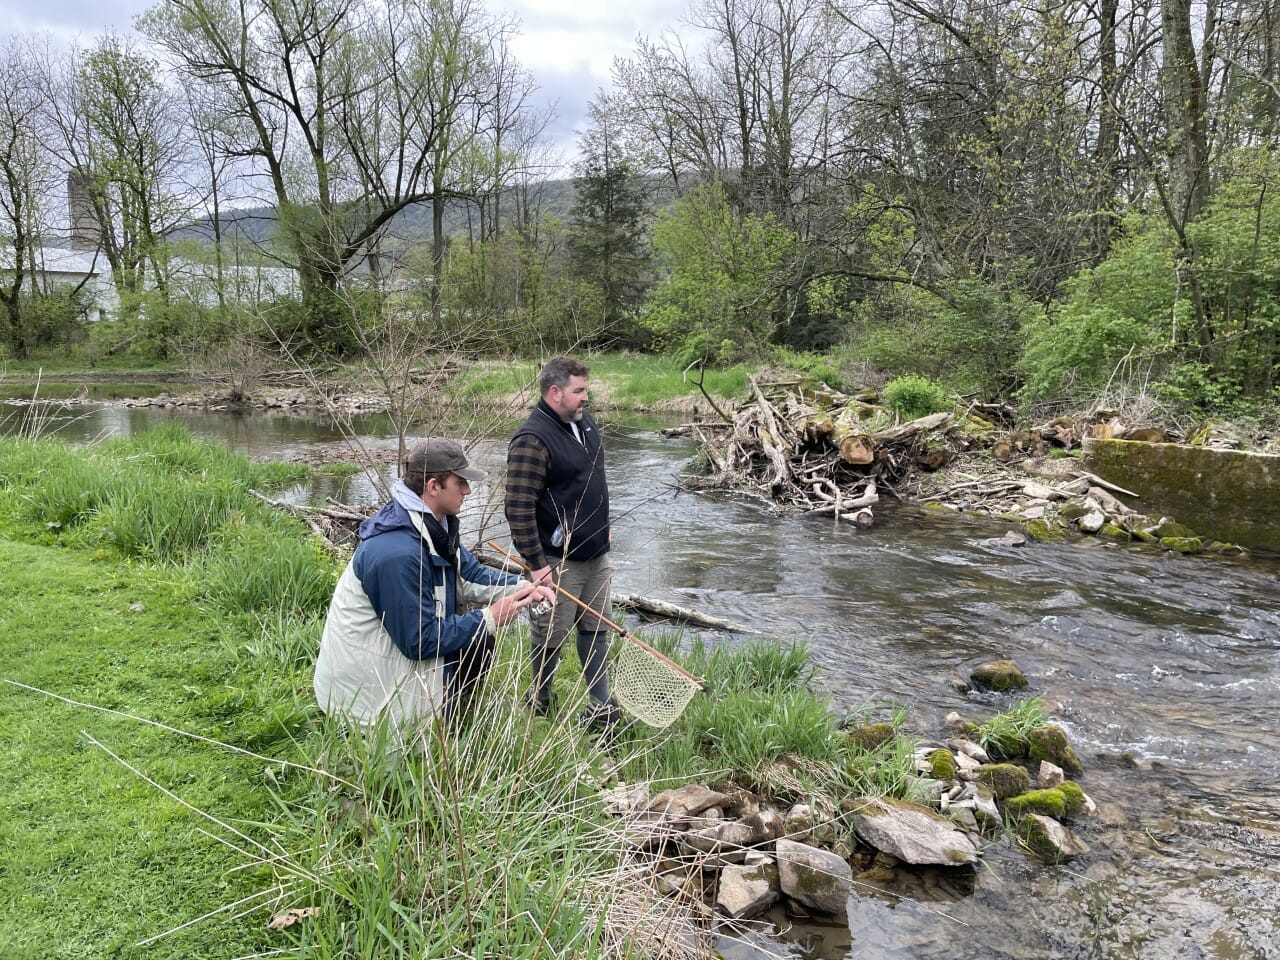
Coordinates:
<point>649,689</point>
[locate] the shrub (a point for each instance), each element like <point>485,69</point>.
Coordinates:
<point>912,396</point>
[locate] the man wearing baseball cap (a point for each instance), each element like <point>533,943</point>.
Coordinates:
<point>395,646</point>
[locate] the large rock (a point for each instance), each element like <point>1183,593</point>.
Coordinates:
<point>1005,779</point>
<point>998,675</point>
<point>816,878</point>
<point>1050,743</point>
<point>687,801</point>
<point>748,891</point>
<point>730,841</point>
<point>1049,839</point>
<point>912,834</point>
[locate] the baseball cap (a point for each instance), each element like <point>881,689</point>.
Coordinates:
<point>438,455</point>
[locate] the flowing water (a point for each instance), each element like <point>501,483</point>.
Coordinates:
<point>1163,669</point>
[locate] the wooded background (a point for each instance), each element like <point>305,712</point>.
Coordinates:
<point>1037,201</point>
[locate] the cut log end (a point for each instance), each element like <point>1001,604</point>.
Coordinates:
<point>857,450</point>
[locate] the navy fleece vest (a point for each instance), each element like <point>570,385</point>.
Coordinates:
<point>576,498</point>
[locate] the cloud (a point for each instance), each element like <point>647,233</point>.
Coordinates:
<point>70,20</point>
<point>567,45</point>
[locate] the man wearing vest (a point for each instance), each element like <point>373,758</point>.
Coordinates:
<point>557,506</point>
<point>396,645</point>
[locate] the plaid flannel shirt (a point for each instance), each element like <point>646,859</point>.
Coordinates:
<point>527,463</point>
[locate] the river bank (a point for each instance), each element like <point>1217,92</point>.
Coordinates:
<point>971,462</point>
<point>1159,666</point>
<point>210,626</point>
<point>619,383</point>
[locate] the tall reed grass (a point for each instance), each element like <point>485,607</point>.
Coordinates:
<point>161,495</point>
<point>486,838</point>
<point>261,568</point>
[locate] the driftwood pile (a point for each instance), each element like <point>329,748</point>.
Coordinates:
<point>806,447</point>
<point>810,448</point>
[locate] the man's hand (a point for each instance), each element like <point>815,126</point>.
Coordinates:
<point>509,607</point>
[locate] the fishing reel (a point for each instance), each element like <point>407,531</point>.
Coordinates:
<point>540,609</point>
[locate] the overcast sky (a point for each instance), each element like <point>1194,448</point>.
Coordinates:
<point>568,45</point>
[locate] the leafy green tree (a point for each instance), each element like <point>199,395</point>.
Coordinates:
<point>723,274</point>
<point>1210,347</point>
<point>1122,310</point>
<point>607,243</point>
<point>967,334</point>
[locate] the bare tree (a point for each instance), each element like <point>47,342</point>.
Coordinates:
<point>350,111</point>
<point>122,138</point>
<point>25,172</point>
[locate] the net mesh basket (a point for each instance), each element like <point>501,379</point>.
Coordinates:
<point>648,688</point>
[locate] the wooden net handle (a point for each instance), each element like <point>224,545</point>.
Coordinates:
<point>607,622</point>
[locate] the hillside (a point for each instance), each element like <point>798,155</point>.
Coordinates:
<point>255,225</point>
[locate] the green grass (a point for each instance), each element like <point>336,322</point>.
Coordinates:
<point>493,841</point>
<point>637,380</point>
<point>496,380</point>
<point>92,859</point>
<point>1005,734</point>
<point>619,380</point>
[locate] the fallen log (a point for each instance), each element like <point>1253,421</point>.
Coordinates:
<point>911,428</point>
<point>662,610</point>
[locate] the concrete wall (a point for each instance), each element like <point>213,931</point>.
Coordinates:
<point>1228,495</point>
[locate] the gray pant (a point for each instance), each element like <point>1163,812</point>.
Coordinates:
<point>590,581</point>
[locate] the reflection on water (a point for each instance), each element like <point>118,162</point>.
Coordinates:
<point>1164,669</point>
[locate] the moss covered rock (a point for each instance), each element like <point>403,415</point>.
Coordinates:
<point>1109,531</point>
<point>1049,742</point>
<point>963,727</point>
<point>1073,510</point>
<point>1073,798</point>
<point>1049,839</point>
<point>1048,803</point>
<point>998,675</point>
<point>942,764</point>
<point>1171,528</point>
<point>1042,531</point>
<point>1005,779</point>
<point>1183,544</point>
<point>871,736</point>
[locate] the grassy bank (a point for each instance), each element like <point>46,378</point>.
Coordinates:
<point>623,381</point>
<point>146,584</point>
<point>619,381</point>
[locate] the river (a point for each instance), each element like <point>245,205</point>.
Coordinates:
<point>1163,669</point>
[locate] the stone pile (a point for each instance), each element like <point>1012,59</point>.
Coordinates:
<point>730,855</point>
<point>296,402</point>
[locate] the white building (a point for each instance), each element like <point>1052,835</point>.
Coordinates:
<point>82,265</point>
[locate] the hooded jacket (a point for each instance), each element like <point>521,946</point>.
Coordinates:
<point>393,632</point>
